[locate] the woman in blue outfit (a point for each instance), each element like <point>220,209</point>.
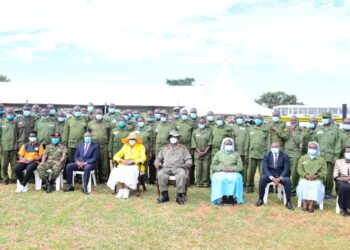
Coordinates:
<point>226,181</point>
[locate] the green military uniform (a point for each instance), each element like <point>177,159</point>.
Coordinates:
<point>258,145</point>
<point>146,135</point>
<point>54,154</point>
<point>309,136</point>
<point>219,133</point>
<point>100,132</point>
<point>185,130</point>
<point>201,139</point>
<point>8,147</point>
<point>193,122</point>
<point>60,127</point>
<point>308,166</point>
<point>117,134</point>
<point>330,147</point>
<point>162,133</point>
<point>73,134</point>
<point>173,158</point>
<point>223,160</point>
<point>240,135</point>
<point>293,147</point>
<point>110,117</point>
<point>45,127</point>
<point>277,135</point>
<point>345,140</point>
<point>25,124</point>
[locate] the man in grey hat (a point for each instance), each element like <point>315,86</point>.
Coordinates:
<point>173,159</point>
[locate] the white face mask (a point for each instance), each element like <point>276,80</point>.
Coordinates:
<point>347,156</point>
<point>173,140</point>
<point>275,150</point>
<point>228,148</point>
<point>132,142</point>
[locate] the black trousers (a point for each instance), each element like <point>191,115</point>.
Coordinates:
<point>344,196</point>
<point>264,180</point>
<point>29,167</point>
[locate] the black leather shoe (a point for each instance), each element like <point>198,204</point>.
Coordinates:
<point>7,181</point>
<point>289,206</point>
<point>164,197</point>
<point>259,203</point>
<point>84,191</point>
<point>69,188</point>
<point>48,185</point>
<point>180,199</point>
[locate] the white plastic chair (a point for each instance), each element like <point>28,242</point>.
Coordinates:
<point>38,181</point>
<point>280,189</point>
<point>92,176</point>
<point>337,208</point>
<point>319,204</point>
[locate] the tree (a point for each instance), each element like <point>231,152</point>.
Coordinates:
<point>180,82</point>
<point>4,78</point>
<point>272,99</point>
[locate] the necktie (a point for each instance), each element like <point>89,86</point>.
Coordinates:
<point>275,161</point>
<point>86,148</point>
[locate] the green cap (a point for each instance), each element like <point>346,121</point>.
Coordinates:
<point>163,111</point>
<point>326,115</point>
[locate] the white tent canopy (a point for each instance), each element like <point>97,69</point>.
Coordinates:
<point>222,97</point>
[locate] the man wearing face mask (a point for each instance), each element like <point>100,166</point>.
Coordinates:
<point>36,111</point>
<point>85,159</point>
<point>176,114</point>
<point>151,122</point>
<point>69,113</point>
<point>25,124</point>
<point>293,138</point>
<point>345,134</point>
<point>8,145</point>
<point>173,159</point>
<point>54,158</point>
<point>193,118</point>
<point>1,119</point>
<point>185,129</point>
<point>258,145</point>
<point>162,131</point>
<point>240,134</point>
<point>328,137</point>
<point>220,131</point>
<point>112,114</point>
<point>45,126</point>
<point>157,115</point>
<point>73,132</point>
<point>100,132</point>
<point>128,120</point>
<point>60,122</point>
<point>119,130</point>
<point>309,133</point>
<point>276,128</point>
<point>52,111</point>
<point>276,170</point>
<point>90,111</point>
<point>210,120</point>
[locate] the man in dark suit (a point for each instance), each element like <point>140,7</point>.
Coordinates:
<point>275,169</point>
<point>85,159</point>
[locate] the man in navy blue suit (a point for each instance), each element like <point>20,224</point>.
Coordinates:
<point>85,159</point>
<point>275,169</point>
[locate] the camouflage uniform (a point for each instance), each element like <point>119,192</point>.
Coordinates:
<point>54,154</point>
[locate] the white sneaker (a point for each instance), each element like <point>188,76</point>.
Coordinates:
<point>25,189</point>
<point>120,194</point>
<point>19,188</point>
<point>126,193</point>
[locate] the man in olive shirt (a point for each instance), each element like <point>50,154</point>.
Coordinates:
<point>60,122</point>
<point>25,124</point>
<point>100,132</point>
<point>45,126</point>
<point>185,130</point>
<point>162,131</point>
<point>112,114</point>
<point>345,135</point>
<point>220,131</point>
<point>8,145</point>
<point>276,128</point>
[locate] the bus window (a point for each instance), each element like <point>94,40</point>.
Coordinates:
<point>284,111</point>
<point>334,111</point>
<point>312,111</point>
<point>302,111</point>
<point>321,110</point>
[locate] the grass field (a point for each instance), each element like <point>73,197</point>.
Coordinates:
<point>36,220</point>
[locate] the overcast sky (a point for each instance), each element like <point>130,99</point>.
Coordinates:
<point>300,47</point>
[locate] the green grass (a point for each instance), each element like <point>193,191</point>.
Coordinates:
<point>36,220</point>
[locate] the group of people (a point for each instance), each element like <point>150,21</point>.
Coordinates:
<point>210,151</point>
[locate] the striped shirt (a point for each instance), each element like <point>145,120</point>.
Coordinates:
<point>341,168</point>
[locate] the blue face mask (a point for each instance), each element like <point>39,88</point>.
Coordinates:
<point>90,109</point>
<point>121,124</point>
<point>220,123</point>
<point>258,122</point>
<point>275,150</point>
<point>52,112</point>
<point>111,110</point>
<point>136,116</point>
<point>10,117</point>
<point>150,119</point>
<point>312,153</point>
<point>98,117</point>
<point>177,116</point>
<point>312,125</point>
<point>60,119</point>
<point>201,126</point>
<point>87,139</point>
<point>325,121</point>
<point>157,116</point>
<point>184,117</point>
<point>163,119</point>
<point>26,113</point>
<point>33,139</point>
<point>141,124</point>
<point>210,118</point>
<point>77,113</point>
<point>1,111</point>
<point>126,117</point>
<point>275,119</point>
<point>239,121</point>
<point>346,127</point>
<point>193,115</point>
<point>55,140</point>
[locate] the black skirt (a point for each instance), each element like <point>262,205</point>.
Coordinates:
<point>344,196</point>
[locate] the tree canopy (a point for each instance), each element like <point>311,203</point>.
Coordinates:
<point>272,99</point>
<point>4,78</point>
<point>180,82</point>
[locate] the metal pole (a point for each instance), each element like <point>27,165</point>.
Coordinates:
<point>344,111</point>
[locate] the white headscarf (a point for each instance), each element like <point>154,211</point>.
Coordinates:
<point>222,148</point>
<point>318,147</point>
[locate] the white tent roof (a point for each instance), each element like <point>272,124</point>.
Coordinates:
<point>222,97</point>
